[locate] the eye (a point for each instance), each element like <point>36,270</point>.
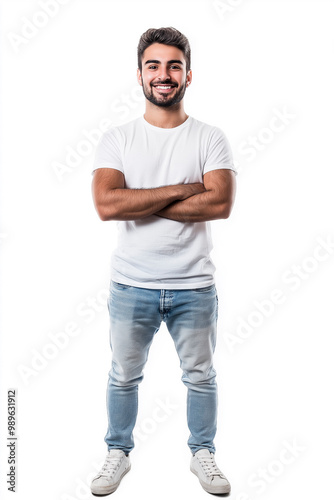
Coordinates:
<point>175,66</point>
<point>153,66</point>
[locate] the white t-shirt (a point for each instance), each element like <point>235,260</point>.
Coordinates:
<point>155,252</point>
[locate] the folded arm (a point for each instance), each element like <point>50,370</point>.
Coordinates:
<point>115,202</point>
<point>215,202</point>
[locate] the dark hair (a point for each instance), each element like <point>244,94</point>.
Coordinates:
<point>166,36</point>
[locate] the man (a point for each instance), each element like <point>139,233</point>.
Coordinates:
<point>163,176</point>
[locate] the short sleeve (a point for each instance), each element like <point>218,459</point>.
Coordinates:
<point>108,152</point>
<point>219,153</point>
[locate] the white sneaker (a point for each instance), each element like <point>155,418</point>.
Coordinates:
<point>211,478</point>
<point>117,464</point>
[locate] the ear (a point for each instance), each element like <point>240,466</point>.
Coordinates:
<point>189,78</point>
<point>139,78</point>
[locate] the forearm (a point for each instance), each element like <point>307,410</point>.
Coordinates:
<point>199,208</point>
<point>214,202</point>
<point>133,204</point>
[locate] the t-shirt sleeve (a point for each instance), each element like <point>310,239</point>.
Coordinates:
<point>108,152</point>
<point>219,153</point>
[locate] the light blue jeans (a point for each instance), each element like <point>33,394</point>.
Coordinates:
<point>135,317</point>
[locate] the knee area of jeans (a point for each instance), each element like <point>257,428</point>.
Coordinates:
<point>199,379</point>
<point>124,380</point>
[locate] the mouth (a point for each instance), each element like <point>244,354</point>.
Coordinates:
<point>165,89</point>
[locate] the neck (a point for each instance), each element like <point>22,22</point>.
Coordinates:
<point>165,117</point>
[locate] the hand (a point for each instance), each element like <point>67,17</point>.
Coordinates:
<point>191,189</point>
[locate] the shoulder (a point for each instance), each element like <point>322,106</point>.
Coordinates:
<point>210,134</point>
<point>206,128</point>
<point>117,133</point>
<point>128,127</point>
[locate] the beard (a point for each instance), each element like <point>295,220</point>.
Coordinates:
<point>164,101</point>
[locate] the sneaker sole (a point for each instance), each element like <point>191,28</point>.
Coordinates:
<point>106,490</point>
<point>216,490</point>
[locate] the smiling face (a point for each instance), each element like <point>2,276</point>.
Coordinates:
<point>164,78</point>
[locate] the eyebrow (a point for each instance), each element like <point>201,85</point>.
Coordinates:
<point>155,61</point>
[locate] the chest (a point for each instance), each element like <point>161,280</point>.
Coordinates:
<point>153,160</point>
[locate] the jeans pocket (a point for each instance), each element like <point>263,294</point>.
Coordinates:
<point>205,289</point>
<point>120,286</point>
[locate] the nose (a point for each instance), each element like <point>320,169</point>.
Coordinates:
<point>164,73</point>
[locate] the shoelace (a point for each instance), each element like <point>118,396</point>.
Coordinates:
<point>210,467</point>
<point>110,466</point>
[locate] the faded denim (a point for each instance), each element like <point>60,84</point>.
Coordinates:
<point>135,317</point>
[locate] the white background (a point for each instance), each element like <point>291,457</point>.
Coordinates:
<point>251,60</point>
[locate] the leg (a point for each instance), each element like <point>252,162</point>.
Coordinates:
<point>192,323</point>
<point>134,319</point>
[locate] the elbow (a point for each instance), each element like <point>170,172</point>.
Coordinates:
<point>105,213</point>
<point>225,210</point>
<point>226,213</point>
<point>104,205</point>
<point>103,216</point>
<point>100,211</point>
